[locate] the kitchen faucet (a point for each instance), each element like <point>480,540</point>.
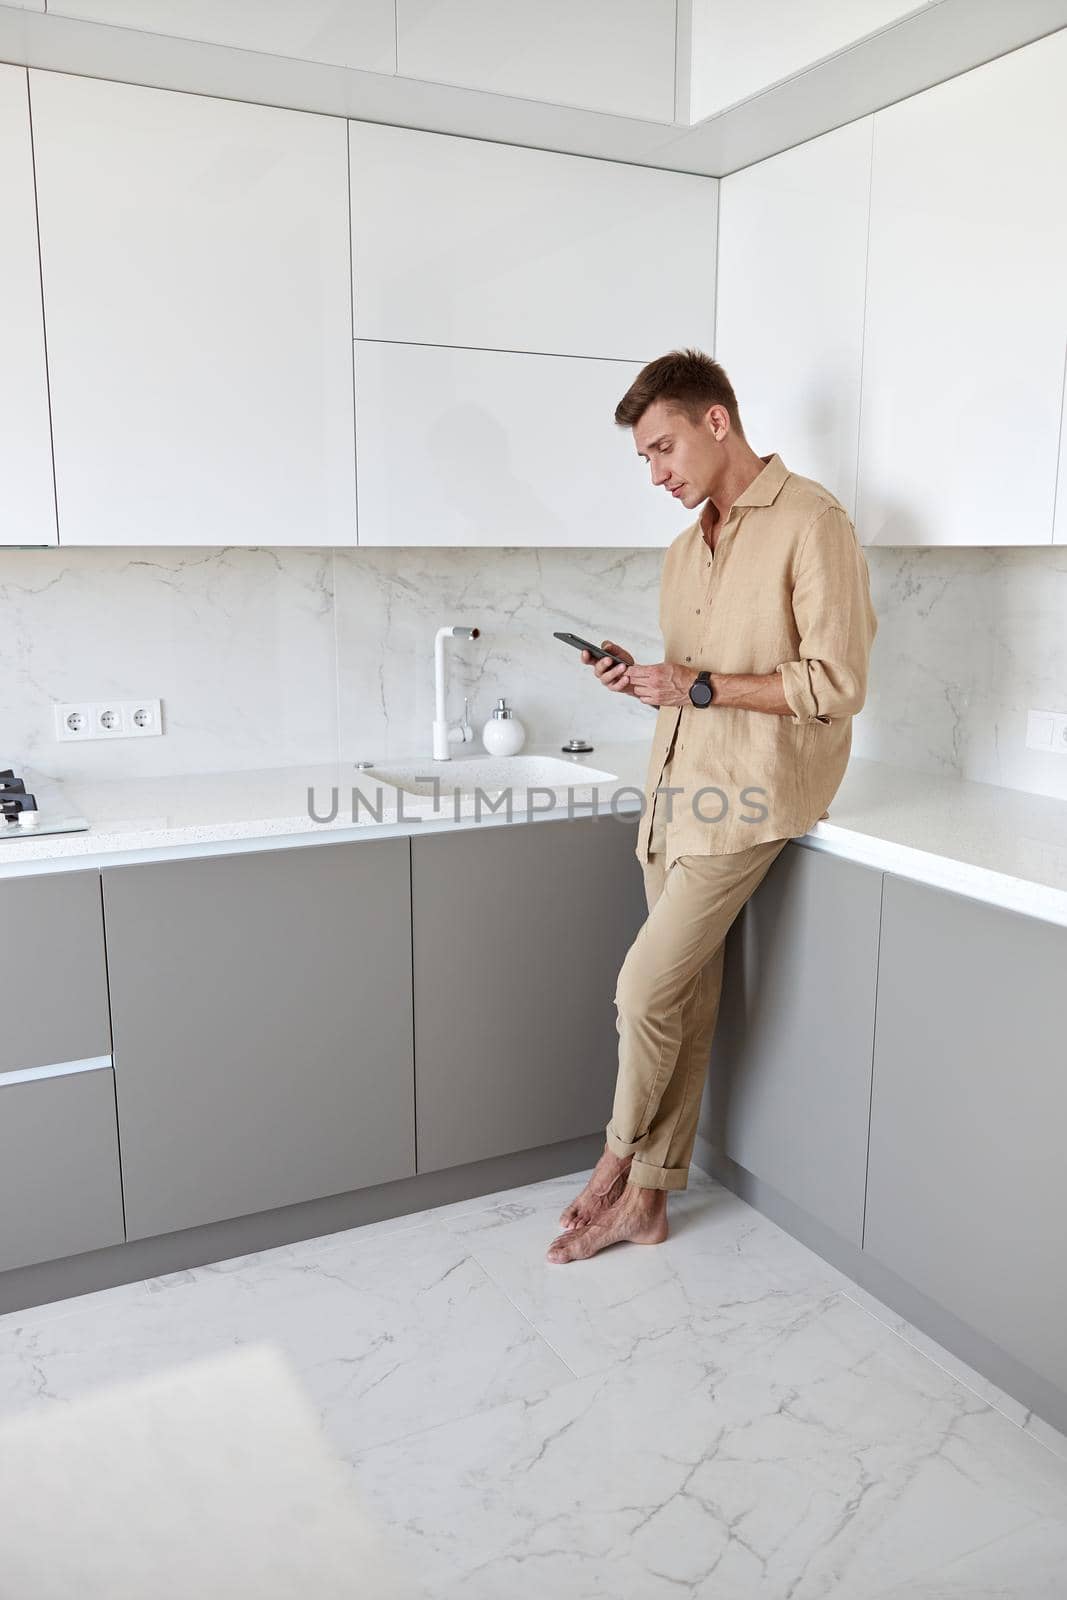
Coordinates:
<point>445,732</point>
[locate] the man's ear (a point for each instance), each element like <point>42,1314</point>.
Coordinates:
<point>718,420</point>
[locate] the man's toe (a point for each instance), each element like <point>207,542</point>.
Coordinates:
<point>563,1249</point>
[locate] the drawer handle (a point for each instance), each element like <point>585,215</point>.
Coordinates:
<point>58,1069</point>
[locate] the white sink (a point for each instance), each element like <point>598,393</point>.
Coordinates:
<point>492,774</point>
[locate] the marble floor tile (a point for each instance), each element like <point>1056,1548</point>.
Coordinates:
<point>1015,1410</point>
<point>839,1464</point>
<point>724,1415</point>
<point>706,1220</point>
<point>54,1310</point>
<point>401,1224</point>
<point>1029,1564</point>
<point>726,1277</point>
<point>388,1337</point>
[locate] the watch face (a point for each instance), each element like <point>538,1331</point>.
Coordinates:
<point>700,693</point>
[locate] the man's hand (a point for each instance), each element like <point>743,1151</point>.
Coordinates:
<point>611,674</point>
<point>666,684</point>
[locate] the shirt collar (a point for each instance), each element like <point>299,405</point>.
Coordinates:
<point>764,488</point>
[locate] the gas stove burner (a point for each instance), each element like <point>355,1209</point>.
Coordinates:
<point>22,815</point>
<point>17,808</point>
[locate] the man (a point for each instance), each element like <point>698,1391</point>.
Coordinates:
<point>767,621</point>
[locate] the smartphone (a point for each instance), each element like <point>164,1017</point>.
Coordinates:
<point>594,649</point>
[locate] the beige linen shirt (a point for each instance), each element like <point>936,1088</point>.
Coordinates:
<point>787,589</point>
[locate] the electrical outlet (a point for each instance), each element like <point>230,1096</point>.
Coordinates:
<point>109,719</point>
<point>74,722</point>
<point>144,717</point>
<point>1047,730</point>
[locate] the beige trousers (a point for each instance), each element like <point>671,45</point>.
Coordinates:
<point>667,1000</point>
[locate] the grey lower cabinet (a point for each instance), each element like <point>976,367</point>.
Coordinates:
<point>788,1093</point>
<point>60,1192</point>
<point>518,934</point>
<point>53,977</point>
<point>967,1187</point>
<point>262,1020</point>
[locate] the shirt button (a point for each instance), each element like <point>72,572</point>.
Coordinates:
<point>689,658</point>
<point>698,611</point>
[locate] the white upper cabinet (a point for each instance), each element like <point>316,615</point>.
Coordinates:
<point>465,242</point>
<point>483,447</point>
<point>606,55</point>
<point>27,501</point>
<point>967,308</point>
<point>738,51</point>
<point>789,323</point>
<point>347,33</point>
<point>195,258</point>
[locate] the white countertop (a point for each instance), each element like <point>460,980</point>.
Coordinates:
<point>1002,846</point>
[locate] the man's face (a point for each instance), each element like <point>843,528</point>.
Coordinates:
<point>684,457</point>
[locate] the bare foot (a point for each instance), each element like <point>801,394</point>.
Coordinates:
<point>640,1216</point>
<point>603,1189</point>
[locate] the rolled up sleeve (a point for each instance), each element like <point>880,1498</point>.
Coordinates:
<point>835,622</point>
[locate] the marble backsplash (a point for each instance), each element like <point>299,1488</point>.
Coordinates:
<point>274,657</point>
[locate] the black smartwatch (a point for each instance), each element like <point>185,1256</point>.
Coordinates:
<point>701,692</point>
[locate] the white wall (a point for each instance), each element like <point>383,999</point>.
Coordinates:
<point>273,657</point>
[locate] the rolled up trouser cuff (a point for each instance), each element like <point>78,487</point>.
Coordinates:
<point>646,1175</point>
<point>621,1147</point>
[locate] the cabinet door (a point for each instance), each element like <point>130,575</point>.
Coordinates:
<point>27,499</point>
<point>967,1186</point>
<point>607,55</point>
<point>466,242</point>
<point>788,1092</point>
<point>196,284</point>
<point>261,1007</point>
<point>482,447</point>
<point>789,325</point>
<point>518,933</point>
<point>966,310</point>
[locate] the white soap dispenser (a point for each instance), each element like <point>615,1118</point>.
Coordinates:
<point>503,734</point>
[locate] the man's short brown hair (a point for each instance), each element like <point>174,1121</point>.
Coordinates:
<point>687,379</point>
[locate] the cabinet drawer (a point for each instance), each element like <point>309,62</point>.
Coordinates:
<point>53,978</point>
<point>60,1192</point>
